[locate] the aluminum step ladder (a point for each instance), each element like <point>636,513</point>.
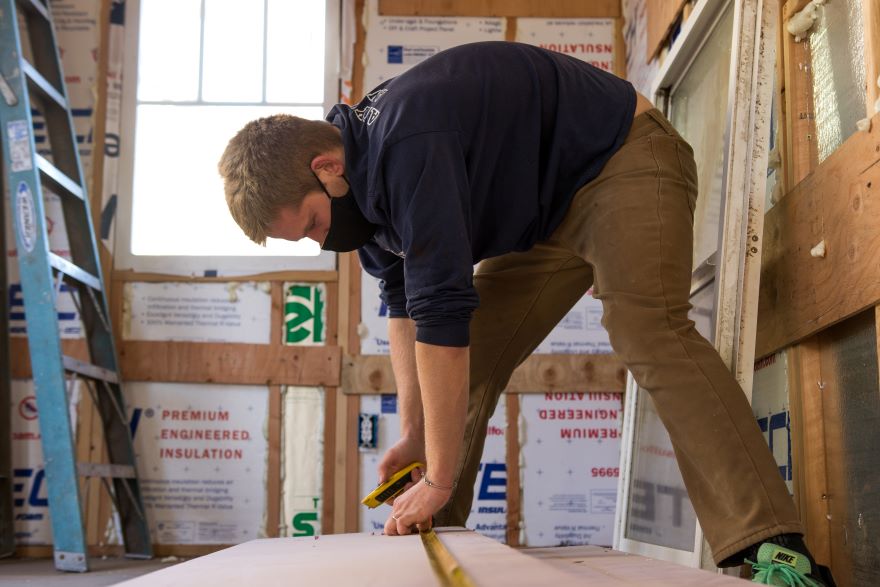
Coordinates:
<point>39,85</point>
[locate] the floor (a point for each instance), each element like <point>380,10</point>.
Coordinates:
<point>108,571</point>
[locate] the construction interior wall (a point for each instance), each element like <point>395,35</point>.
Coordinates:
<point>261,403</point>
<point>815,381</point>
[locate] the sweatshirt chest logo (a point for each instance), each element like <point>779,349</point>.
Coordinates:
<point>369,114</point>
<point>366,115</point>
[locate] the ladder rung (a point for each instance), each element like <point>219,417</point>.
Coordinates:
<point>35,6</point>
<point>57,178</point>
<point>90,371</point>
<point>105,470</point>
<point>71,270</point>
<point>43,84</point>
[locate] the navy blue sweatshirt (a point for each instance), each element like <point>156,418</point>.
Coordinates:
<point>474,152</point>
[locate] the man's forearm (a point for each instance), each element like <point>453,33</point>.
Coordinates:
<point>443,377</point>
<point>402,336</point>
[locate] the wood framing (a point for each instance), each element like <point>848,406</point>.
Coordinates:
<point>352,457</point>
<point>871,13</point>
<point>99,130</point>
<point>512,455</point>
<point>273,463</point>
<point>808,446</point>
<point>661,17</point>
<point>524,8</point>
<point>800,125</point>
<point>248,364</point>
<point>538,374</point>
<point>20,356</point>
<point>840,206</point>
<point>127,275</point>
<point>328,477</point>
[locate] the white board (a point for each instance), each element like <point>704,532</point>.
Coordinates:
<point>201,454</point>
<point>771,408</point>
<point>396,43</point>
<point>489,509</point>
<point>570,467</point>
<point>198,312</point>
<point>580,331</point>
<point>587,39</point>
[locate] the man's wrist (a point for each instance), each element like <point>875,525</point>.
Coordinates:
<point>439,486</point>
<point>413,431</point>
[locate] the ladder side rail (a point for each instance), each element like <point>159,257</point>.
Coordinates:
<point>7,530</point>
<point>77,213</point>
<point>37,282</point>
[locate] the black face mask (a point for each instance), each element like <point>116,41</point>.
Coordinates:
<point>349,229</point>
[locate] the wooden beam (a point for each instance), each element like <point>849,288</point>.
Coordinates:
<point>370,374</point>
<point>357,74</point>
<point>619,49</point>
<point>99,132</point>
<point>20,356</point>
<point>808,447</point>
<point>512,454</point>
<point>661,17</point>
<point>352,457</point>
<point>328,485</point>
<point>838,204</point>
<point>126,275</point>
<point>523,8</point>
<point>871,19</point>
<point>248,364</point>
<point>273,463</point>
<point>800,131</point>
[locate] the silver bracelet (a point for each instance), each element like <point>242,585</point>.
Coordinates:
<point>430,483</point>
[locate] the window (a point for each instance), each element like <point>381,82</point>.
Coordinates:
<point>201,70</point>
<point>710,96</point>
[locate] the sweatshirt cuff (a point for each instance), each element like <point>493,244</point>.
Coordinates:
<point>457,334</point>
<point>397,312</point>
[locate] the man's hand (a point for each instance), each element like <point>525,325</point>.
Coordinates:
<point>405,451</point>
<point>414,508</point>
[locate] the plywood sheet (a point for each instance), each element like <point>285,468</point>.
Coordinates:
<point>836,204</point>
<point>538,374</point>
<point>374,559</point>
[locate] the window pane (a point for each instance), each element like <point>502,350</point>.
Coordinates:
<point>659,510</point>
<point>837,51</point>
<point>233,60</point>
<point>295,65</point>
<point>699,113</point>
<point>178,203</point>
<point>168,53</point>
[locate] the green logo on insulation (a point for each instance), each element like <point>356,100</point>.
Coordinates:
<point>304,313</point>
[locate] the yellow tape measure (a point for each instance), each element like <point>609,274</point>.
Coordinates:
<point>444,564</point>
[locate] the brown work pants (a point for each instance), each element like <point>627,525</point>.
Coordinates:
<point>629,234</point>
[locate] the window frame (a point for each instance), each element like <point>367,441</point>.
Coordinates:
<point>735,265</point>
<point>198,265</point>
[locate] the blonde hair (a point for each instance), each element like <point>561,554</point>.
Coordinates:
<point>267,165</point>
